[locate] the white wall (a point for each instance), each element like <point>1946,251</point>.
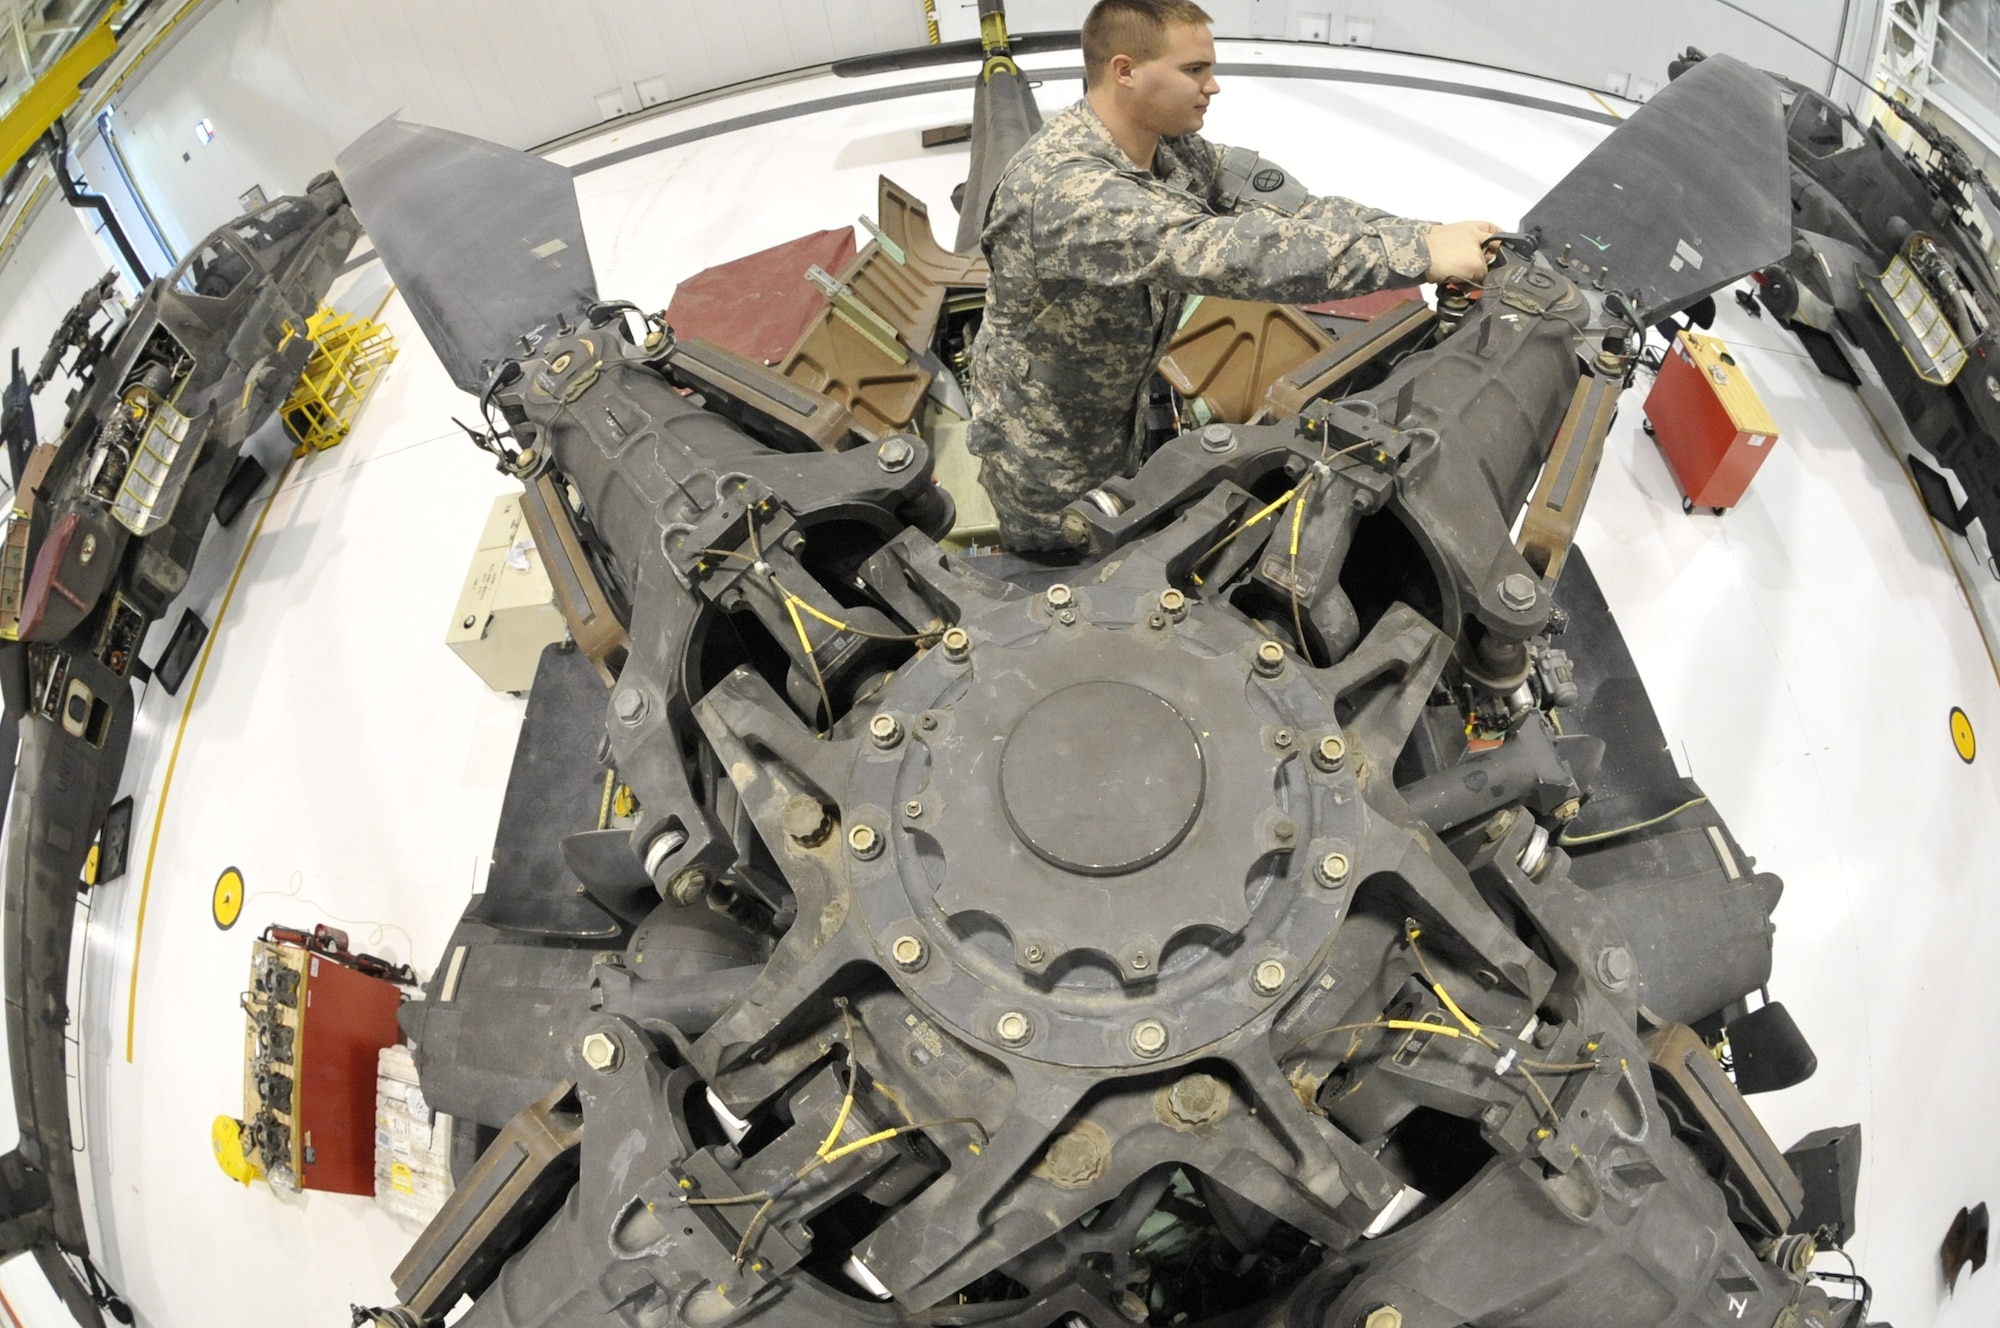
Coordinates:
<point>288,83</point>
<point>1577,41</point>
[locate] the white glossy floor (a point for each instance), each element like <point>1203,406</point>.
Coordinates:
<point>1803,652</point>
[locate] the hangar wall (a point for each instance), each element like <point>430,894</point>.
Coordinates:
<point>285,83</point>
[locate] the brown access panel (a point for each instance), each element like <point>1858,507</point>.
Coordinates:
<point>1230,352</point>
<point>882,386</point>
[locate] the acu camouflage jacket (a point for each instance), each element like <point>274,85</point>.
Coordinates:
<point>1093,258</point>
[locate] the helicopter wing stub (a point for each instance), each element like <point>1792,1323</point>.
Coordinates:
<point>1691,193</point>
<point>485,243</point>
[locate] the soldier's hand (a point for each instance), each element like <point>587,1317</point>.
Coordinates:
<point>1458,250</point>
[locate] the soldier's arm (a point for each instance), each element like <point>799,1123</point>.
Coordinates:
<point>1112,229</point>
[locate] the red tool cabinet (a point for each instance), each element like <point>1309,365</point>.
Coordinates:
<point>1710,423</point>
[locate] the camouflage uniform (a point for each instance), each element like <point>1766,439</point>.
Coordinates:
<point>1093,258</point>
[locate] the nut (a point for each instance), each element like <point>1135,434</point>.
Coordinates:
<point>1140,961</point>
<point>689,886</point>
<point>1218,438</point>
<point>913,809</point>
<point>1270,658</point>
<point>1333,869</point>
<point>1282,739</point>
<point>1067,617</point>
<point>1614,966</point>
<point>1331,753</point>
<point>1173,603</point>
<point>908,952</point>
<point>885,730</point>
<point>1196,1099</point>
<point>1076,1157</point>
<point>1149,1037</point>
<point>1384,1316</point>
<point>864,842</point>
<point>629,705</point>
<point>805,820</point>
<point>1285,831</point>
<point>601,1052</point>
<point>1059,596</point>
<point>957,645</point>
<point>1517,591</point>
<point>1033,954</point>
<point>1013,1028</point>
<point>1269,978</point>
<point>894,454</point>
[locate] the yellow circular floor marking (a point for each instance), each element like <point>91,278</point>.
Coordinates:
<point>1962,737</point>
<point>228,902</point>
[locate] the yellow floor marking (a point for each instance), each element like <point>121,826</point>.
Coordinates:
<point>1606,105</point>
<point>167,782</point>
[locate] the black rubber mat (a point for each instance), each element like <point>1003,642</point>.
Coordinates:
<point>555,788</point>
<point>1827,356</point>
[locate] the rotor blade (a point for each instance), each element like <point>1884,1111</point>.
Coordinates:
<point>1690,194</point>
<point>485,243</point>
<point>1004,116</point>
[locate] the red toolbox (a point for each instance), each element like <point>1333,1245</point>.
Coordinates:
<point>1711,425</point>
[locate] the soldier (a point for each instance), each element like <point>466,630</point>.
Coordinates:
<point>1102,226</point>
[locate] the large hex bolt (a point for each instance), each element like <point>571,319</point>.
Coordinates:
<point>805,820</point>
<point>1059,596</point>
<point>885,731</point>
<point>601,1052</point>
<point>1269,978</point>
<point>1517,591</point>
<point>957,645</point>
<point>1614,966</point>
<point>1331,753</point>
<point>1014,1028</point>
<point>1333,869</point>
<point>629,705</point>
<point>894,454</point>
<point>1270,659</point>
<point>1218,438</point>
<point>1197,1099</point>
<point>1149,1037</point>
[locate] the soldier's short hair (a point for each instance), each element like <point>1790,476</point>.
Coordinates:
<point>1131,27</point>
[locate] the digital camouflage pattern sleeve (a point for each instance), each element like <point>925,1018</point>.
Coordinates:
<point>1093,259</point>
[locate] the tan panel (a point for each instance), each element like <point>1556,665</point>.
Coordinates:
<point>1230,352</point>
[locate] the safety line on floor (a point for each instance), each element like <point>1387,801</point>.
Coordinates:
<point>1965,587</point>
<point>174,756</point>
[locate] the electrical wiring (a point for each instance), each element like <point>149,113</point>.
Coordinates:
<point>1568,840</point>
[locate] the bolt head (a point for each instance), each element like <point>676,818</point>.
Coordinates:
<point>1067,617</point>
<point>1059,596</point>
<point>1140,962</point>
<point>894,454</point>
<point>1149,1037</point>
<point>1285,831</point>
<point>1331,753</point>
<point>1384,1316</point>
<point>913,809</point>
<point>1197,1099</point>
<point>1517,591</point>
<point>885,730</point>
<point>1172,602</point>
<point>1270,658</point>
<point>1333,869</point>
<point>1014,1028</point>
<point>601,1052</point>
<point>470,619</point>
<point>629,704</point>
<point>805,819</point>
<point>1269,978</point>
<point>957,645</point>
<point>1033,954</point>
<point>1614,966</point>
<point>1218,438</point>
<point>863,842</point>
<point>908,952</point>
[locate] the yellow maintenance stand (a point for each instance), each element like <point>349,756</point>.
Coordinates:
<point>349,354</point>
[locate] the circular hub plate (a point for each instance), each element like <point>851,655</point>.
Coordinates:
<point>1101,778</point>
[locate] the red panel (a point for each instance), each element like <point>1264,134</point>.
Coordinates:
<point>45,576</point>
<point>348,1018</point>
<point>761,304</point>
<point>1712,460</point>
<point>1365,306</point>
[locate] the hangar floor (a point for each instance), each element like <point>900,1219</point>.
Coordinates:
<point>1803,652</point>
